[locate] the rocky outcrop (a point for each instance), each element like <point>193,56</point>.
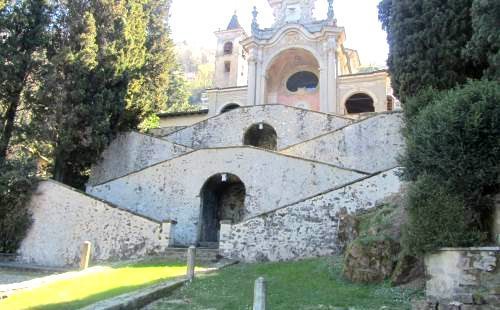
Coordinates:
<point>370,260</point>
<point>376,253</point>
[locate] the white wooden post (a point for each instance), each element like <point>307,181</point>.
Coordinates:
<point>259,297</point>
<point>191,262</point>
<point>85,258</point>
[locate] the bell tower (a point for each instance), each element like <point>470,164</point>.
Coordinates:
<point>231,68</point>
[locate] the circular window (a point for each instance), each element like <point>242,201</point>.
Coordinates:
<point>303,79</point>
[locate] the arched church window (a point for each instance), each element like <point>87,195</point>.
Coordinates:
<point>228,48</point>
<point>359,103</point>
<point>302,79</point>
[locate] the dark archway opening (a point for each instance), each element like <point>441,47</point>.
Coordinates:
<point>360,103</point>
<point>222,199</point>
<point>261,135</point>
<point>229,107</point>
<point>228,48</point>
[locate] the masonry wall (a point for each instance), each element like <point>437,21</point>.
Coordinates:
<point>469,276</point>
<point>292,126</point>
<point>307,228</point>
<point>63,219</point>
<point>171,190</point>
<point>182,120</point>
<point>219,98</point>
<point>131,152</point>
<point>370,145</point>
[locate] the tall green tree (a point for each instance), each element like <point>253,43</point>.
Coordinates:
<point>426,40</point>
<point>23,29</point>
<point>178,92</point>
<point>484,46</point>
<point>109,72</point>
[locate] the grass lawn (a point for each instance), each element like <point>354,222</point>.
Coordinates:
<point>305,285</point>
<point>88,288</point>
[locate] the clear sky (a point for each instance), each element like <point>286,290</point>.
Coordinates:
<point>195,21</point>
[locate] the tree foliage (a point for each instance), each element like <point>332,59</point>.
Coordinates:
<point>437,218</point>
<point>23,30</point>
<point>453,140</point>
<point>426,41</point>
<point>17,181</point>
<point>72,75</point>
<point>109,71</point>
<point>484,46</point>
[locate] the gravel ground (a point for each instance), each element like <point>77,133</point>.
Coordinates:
<point>11,276</point>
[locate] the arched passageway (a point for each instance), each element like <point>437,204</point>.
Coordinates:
<point>222,199</point>
<point>261,135</point>
<point>360,103</point>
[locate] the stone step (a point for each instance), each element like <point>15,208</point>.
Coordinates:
<point>202,254</point>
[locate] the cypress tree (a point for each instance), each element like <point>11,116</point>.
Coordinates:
<point>109,73</point>
<point>426,40</point>
<point>23,38</point>
<point>484,46</point>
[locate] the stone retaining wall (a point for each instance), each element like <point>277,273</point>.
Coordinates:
<point>466,277</point>
<point>307,228</point>
<point>130,152</point>
<point>64,218</point>
<point>172,190</point>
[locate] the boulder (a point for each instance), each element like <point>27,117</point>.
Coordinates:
<point>370,260</point>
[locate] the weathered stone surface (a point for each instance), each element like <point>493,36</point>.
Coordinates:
<point>496,220</point>
<point>407,269</point>
<point>292,126</point>
<point>130,152</point>
<point>371,145</point>
<point>63,219</point>
<point>171,190</point>
<point>467,275</point>
<point>307,228</point>
<point>347,228</point>
<point>370,261</point>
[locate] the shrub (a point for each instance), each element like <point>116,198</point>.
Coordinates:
<point>17,181</point>
<point>437,218</point>
<point>453,152</point>
<point>456,139</point>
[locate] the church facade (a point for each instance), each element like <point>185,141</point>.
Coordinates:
<point>300,62</point>
<point>294,139</point>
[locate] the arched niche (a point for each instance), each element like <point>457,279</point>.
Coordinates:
<point>262,136</point>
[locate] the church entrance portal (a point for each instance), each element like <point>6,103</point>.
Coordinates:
<point>222,199</point>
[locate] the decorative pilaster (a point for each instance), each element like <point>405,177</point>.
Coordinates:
<point>252,77</point>
<point>331,96</point>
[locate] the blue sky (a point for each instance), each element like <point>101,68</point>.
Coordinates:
<point>195,21</point>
